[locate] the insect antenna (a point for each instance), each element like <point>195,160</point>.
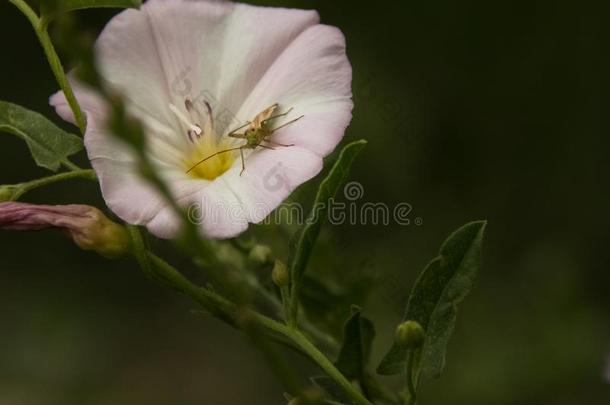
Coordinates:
<point>237,129</point>
<point>210,157</point>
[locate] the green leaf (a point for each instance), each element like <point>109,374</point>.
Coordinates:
<point>356,349</point>
<point>49,145</point>
<point>442,285</point>
<point>58,6</point>
<point>327,303</point>
<point>302,244</point>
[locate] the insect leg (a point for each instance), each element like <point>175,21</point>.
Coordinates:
<point>238,136</point>
<point>243,163</point>
<point>279,115</point>
<point>277,143</point>
<point>266,147</point>
<point>288,123</point>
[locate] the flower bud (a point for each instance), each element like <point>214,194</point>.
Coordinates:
<point>280,275</point>
<point>410,335</point>
<point>260,255</point>
<point>89,228</point>
<point>100,234</point>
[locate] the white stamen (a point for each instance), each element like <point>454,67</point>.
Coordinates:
<point>193,127</point>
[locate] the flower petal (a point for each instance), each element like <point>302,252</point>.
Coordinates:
<point>89,101</point>
<point>213,207</point>
<point>211,50</point>
<point>238,58</point>
<point>314,76</point>
<point>270,177</point>
<point>98,141</point>
<point>125,192</point>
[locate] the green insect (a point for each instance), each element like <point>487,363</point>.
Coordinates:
<point>256,135</point>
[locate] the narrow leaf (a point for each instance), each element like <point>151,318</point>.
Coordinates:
<point>49,145</point>
<point>442,285</point>
<point>302,244</point>
<point>356,349</point>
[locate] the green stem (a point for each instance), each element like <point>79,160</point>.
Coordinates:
<point>22,188</point>
<point>293,303</point>
<point>276,361</point>
<point>71,166</point>
<point>281,308</point>
<point>40,28</point>
<point>270,299</point>
<point>285,292</point>
<point>231,313</point>
<point>411,379</point>
<point>325,364</point>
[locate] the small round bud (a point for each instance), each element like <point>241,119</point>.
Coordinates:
<point>280,275</point>
<point>410,335</point>
<point>260,255</point>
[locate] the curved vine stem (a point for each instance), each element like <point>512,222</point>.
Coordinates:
<point>167,275</point>
<point>412,400</point>
<point>20,189</point>
<point>40,28</point>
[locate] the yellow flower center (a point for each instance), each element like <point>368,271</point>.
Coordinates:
<point>212,167</point>
<point>206,159</point>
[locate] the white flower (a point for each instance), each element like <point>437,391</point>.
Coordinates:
<point>192,71</point>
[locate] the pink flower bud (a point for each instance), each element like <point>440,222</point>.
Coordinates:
<point>88,226</point>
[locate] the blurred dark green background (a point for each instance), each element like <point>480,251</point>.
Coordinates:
<point>472,109</point>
